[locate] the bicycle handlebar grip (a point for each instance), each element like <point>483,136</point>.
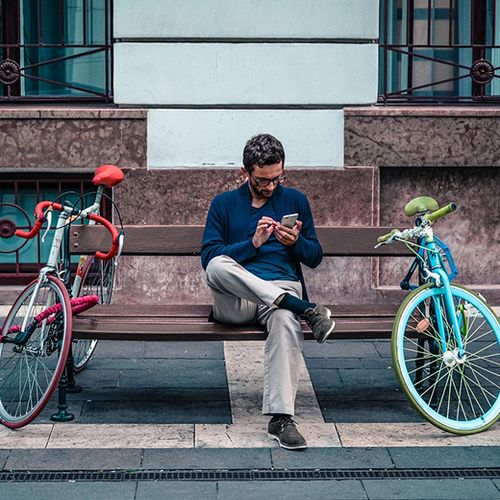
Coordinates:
<point>114,233</point>
<point>40,219</point>
<point>383,239</point>
<point>434,216</point>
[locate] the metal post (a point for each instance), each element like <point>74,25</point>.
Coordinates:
<point>62,414</point>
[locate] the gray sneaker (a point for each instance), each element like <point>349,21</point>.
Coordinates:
<point>285,432</point>
<point>320,322</point>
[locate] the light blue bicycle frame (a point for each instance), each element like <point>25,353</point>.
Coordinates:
<point>436,265</point>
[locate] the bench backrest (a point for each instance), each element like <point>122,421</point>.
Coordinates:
<point>186,240</point>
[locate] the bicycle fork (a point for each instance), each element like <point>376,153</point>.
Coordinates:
<point>448,312</point>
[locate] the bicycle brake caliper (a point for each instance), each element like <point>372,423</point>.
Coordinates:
<point>434,276</point>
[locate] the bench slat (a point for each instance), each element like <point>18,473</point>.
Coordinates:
<point>131,312</point>
<point>189,323</point>
<point>186,240</point>
<point>194,331</point>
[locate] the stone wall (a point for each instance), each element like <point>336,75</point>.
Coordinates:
<point>59,139</point>
<point>449,154</point>
<point>391,156</point>
<point>341,197</point>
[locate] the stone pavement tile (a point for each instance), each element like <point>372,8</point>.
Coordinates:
<point>326,381</point>
<point>105,378</point>
<point>176,490</point>
<point>245,375</point>
<point>98,364</point>
<point>156,412</point>
<point>179,350</point>
<point>356,377</point>
<point>119,349</point>
<point>133,394</point>
<point>31,436</point>
<point>374,378</point>
<point>345,363</point>
<point>51,408</point>
<point>410,434</point>
<point>77,491</point>
<point>423,489</point>
<point>122,436</point>
<point>248,408</point>
<point>438,457</point>
<point>4,455</point>
<point>73,459</point>
<point>352,392</point>
<point>291,490</point>
<point>341,349</point>
<point>369,410</point>
<point>255,436</point>
<point>175,373</point>
<point>207,458</point>
<point>332,458</point>
<point>383,348</point>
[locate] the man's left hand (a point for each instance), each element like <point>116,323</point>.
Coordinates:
<point>286,236</point>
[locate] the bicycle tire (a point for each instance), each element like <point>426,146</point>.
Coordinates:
<point>457,394</point>
<point>97,279</point>
<point>30,374</point>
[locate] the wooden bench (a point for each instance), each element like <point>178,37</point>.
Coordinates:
<point>189,322</point>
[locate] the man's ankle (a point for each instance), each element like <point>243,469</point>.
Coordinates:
<point>294,304</point>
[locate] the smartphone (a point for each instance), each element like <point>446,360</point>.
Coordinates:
<point>289,220</point>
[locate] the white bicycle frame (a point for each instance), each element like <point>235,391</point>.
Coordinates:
<point>52,264</point>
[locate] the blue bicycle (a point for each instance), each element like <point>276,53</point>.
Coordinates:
<point>445,338</point>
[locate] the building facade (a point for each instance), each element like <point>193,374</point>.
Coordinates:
<point>375,103</point>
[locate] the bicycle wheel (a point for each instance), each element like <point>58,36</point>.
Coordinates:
<point>97,279</point>
<point>459,394</point>
<point>30,372</point>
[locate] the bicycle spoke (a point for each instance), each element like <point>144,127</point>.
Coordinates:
<point>30,372</point>
<point>458,389</point>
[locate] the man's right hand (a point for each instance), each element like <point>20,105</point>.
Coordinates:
<point>265,228</point>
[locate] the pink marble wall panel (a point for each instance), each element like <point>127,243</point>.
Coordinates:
<point>337,196</point>
<point>472,233</point>
<point>422,137</point>
<point>182,196</point>
<point>71,139</point>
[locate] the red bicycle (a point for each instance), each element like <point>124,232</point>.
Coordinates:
<point>35,339</point>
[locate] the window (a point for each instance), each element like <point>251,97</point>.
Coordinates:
<point>439,51</point>
<point>55,49</point>
<point>21,259</point>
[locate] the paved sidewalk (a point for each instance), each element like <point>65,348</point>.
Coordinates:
<point>182,421</point>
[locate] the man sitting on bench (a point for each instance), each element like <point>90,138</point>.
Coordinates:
<point>252,263</point>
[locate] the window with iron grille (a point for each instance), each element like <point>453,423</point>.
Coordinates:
<point>55,49</point>
<point>439,51</point>
<point>20,260</point>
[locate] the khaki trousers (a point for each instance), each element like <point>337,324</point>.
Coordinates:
<point>241,297</point>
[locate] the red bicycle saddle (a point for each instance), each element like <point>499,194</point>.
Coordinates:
<point>109,175</point>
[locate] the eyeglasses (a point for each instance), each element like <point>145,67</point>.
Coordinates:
<point>265,182</point>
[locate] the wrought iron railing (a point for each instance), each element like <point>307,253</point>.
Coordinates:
<point>439,51</point>
<point>56,49</point>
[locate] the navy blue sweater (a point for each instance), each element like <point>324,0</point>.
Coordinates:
<point>226,229</point>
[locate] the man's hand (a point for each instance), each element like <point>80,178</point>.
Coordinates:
<point>265,228</point>
<point>286,236</point>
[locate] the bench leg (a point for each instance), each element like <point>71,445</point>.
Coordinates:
<point>72,386</point>
<point>62,414</point>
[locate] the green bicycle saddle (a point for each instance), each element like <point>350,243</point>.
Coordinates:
<point>421,205</point>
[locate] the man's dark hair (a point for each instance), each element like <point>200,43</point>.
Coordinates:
<point>262,149</point>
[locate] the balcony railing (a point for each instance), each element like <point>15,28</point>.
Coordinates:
<point>55,49</point>
<point>439,51</point>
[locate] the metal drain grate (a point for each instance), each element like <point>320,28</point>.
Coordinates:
<point>246,475</point>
